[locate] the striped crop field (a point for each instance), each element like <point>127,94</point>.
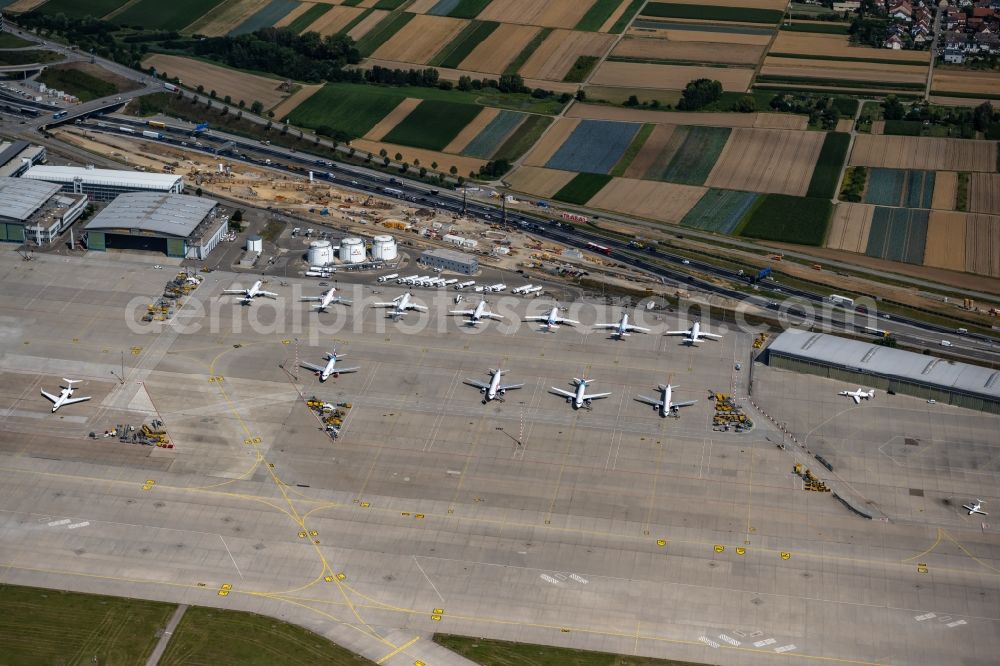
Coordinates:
<point>898,234</point>
<point>899,187</point>
<point>595,146</point>
<point>265,18</point>
<point>719,210</point>
<point>494,135</point>
<point>692,153</point>
<point>433,124</point>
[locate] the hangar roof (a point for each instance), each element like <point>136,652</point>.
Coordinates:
<point>107,177</point>
<point>21,198</point>
<point>885,361</point>
<point>176,215</point>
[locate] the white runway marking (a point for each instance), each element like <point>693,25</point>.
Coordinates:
<point>429,581</point>
<point>56,523</point>
<point>77,525</point>
<point>231,557</point>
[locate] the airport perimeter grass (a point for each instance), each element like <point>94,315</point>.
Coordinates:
<point>78,8</point>
<point>433,124</point>
<point>212,636</point>
<point>582,188</point>
<point>506,653</point>
<point>788,219</point>
<point>831,159</point>
<point>174,15</point>
<point>710,12</point>
<point>45,627</point>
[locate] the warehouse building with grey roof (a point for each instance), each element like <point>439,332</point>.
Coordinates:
<point>888,369</point>
<point>177,225</point>
<point>36,212</point>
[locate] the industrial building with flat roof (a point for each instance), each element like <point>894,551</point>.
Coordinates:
<point>36,212</point>
<point>177,225</point>
<point>896,370</point>
<point>105,184</point>
<point>18,156</point>
<point>450,260</point>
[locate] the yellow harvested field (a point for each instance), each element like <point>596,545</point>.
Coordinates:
<point>984,193</point>
<point>965,81</point>
<point>843,70</point>
<point>818,44</point>
<point>850,226</point>
<point>537,181</point>
<point>422,6</point>
<point>845,125</point>
<point>495,52</point>
<point>334,20</point>
<point>366,25</point>
<point>420,39</point>
<point>756,4</point>
<point>615,15</point>
<point>472,130</point>
<point>918,152</point>
<point>982,244</point>
<point>664,202</point>
<point>767,160</point>
<point>223,18</point>
<point>302,8</point>
<point>650,150</point>
<point>426,157</point>
<point>781,121</point>
<point>19,6</point>
<point>300,96</point>
<point>668,77</point>
<point>238,85</point>
<point>945,186</point>
<point>554,137</point>
<point>661,49</point>
<point>392,119</point>
<point>549,14</point>
<point>700,36</point>
<point>559,52</point>
<point>603,112</point>
<point>946,244</point>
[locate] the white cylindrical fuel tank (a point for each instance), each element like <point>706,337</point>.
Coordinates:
<point>320,253</point>
<point>255,244</point>
<point>352,251</point>
<point>383,248</point>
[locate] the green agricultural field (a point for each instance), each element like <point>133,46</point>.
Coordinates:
<point>433,124</point>
<point>523,138</point>
<point>581,69</point>
<point>490,652</point>
<point>823,28</point>
<point>174,15</point>
<point>382,32</point>
<point>695,157</point>
<point>468,39</point>
<point>831,159</point>
<point>9,41</point>
<point>719,211</point>
<point>75,82</point>
<point>308,17</point>
<point>351,109</point>
<point>357,19</point>
<point>709,12</point>
<point>211,636</point>
<point>633,149</point>
<point>42,627</point>
<point>529,48</point>
<point>80,8</point>
<point>598,13</point>
<point>582,188</point>
<point>788,219</point>
<point>626,18</point>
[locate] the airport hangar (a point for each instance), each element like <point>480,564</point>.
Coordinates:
<point>105,184</point>
<point>35,211</point>
<point>178,225</point>
<point>896,370</point>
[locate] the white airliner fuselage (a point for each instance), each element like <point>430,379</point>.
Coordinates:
<point>694,335</point>
<point>494,389</point>
<point>326,300</point>
<point>478,314</point>
<point>975,507</point>
<point>859,395</point>
<point>579,398</point>
<point>251,293</point>
<point>623,328</point>
<point>553,320</point>
<point>330,369</point>
<point>665,405</point>
<point>400,305</point>
<point>65,396</point>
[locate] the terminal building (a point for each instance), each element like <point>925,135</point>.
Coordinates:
<point>450,260</point>
<point>105,184</point>
<point>16,157</point>
<point>36,212</point>
<point>178,225</point>
<point>874,366</point>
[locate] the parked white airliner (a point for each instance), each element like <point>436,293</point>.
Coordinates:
<point>975,507</point>
<point>330,369</point>
<point>253,292</point>
<point>553,320</point>
<point>494,389</point>
<point>694,335</point>
<point>478,314</point>
<point>65,396</point>
<point>622,328</point>
<point>665,405</point>
<point>326,300</point>
<point>400,305</point>
<point>859,395</point>
<point>580,397</point>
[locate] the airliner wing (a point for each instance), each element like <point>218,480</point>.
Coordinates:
<point>510,387</point>
<point>50,396</point>
<point>345,301</point>
<point>686,403</point>
<point>856,398</point>
<point>235,291</point>
<point>478,384</point>
<point>638,328</point>
<point>492,315</point>
<point>339,370</point>
<point>710,336</point>
<point>595,396</point>
<point>649,401</point>
<point>461,312</point>
<point>559,391</point>
<point>535,319</point>
<point>422,308</point>
<point>560,320</point>
<point>384,305</point>
<point>267,294</point>
<point>687,333</point>
<point>312,366</point>
<point>605,325</point>
<point>311,298</point>
<point>72,400</point>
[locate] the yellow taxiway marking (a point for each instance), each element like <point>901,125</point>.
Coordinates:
<point>397,650</point>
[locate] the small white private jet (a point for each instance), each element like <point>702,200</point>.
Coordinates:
<point>65,396</point>
<point>326,300</point>
<point>552,321</point>
<point>665,405</point>
<point>622,328</point>
<point>859,395</point>
<point>478,314</point>
<point>975,507</point>
<point>331,369</point>
<point>694,335</point>
<point>494,390</point>
<point>253,292</point>
<point>580,397</point>
<point>400,305</point>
